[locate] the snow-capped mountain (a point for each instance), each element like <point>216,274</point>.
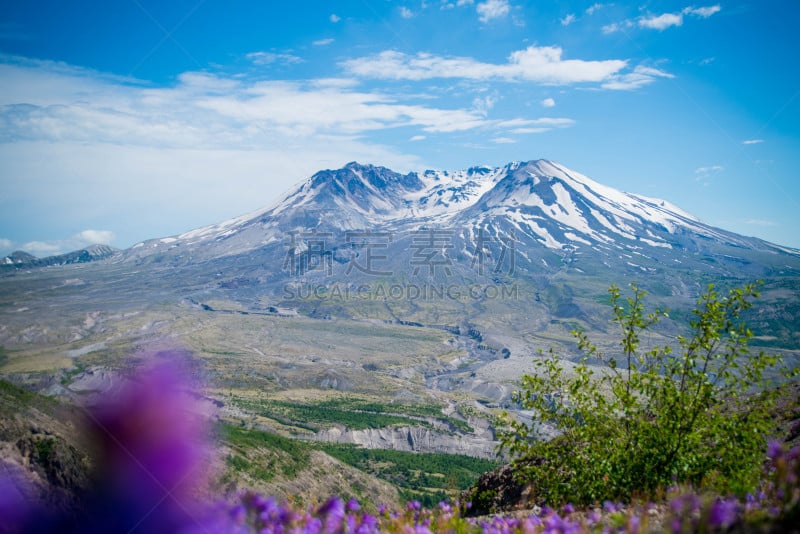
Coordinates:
<point>541,205</point>
<point>524,246</point>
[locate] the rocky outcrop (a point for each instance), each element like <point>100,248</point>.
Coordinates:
<point>415,439</point>
<point>497,491</point>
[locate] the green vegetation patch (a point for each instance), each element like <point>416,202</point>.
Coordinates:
<point>351,412</point>
<point>261,454</point>
<point>428,478</point>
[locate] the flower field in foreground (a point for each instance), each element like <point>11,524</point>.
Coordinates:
<point>775,508</point>
<point>151,457</point>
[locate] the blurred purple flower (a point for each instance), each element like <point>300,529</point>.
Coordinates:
<point>150,439</point>
<point>332,514</point>
<point>353,506</point>
<point>634,524</point>
<point>722,513</point>
<point>609,507</point>
<point>774,449</point>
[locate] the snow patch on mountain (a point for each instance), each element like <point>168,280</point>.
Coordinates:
<point>543,200</point>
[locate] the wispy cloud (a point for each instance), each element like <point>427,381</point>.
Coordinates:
<point>752,141</point>
<point>203,110</point>
<point>269,58</point>
<point>703,12</point>
<point>449,4</point>
<point>537,64</point>
<point>534,126</point>
<point>707,173</point>
<point>492,9</point>
<point>334,18</point>
<point>482,105</point>
<point>709,169</point>
<point>503,140</point>
<point>616,26</point>
<point>548,103</point>
<point>663,21</point>
<point>594,8</point>
<point>567,20</point>
<point>406,13</point>
<point>104,145</point>
<point>106,148</point>
<point>323,42</point>
<point>638,78</point>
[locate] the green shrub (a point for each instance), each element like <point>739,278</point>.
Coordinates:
<point>631,429</point>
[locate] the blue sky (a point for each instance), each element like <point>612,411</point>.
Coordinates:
<point>132,119</point>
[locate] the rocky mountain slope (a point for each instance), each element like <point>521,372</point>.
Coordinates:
<point>23,260</point>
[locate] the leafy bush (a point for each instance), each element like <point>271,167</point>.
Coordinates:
<point>699,417</point>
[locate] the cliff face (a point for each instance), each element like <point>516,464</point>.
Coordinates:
<point>417,439</point>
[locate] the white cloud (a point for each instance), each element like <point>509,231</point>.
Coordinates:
<point>569,19</point>
<point>703,12</point>
<point>752,141</point>
<point>661,22</point>
<point>482,105</point>
<point>492,9</point>
<point>323,42</point>
<point>637,79</point>
<point>548,103</point>
<point>709,169</point>
<point>533,126</point>
<point>78,147</point>
<point>503,140</point>
<point>418,138</point>
<point>537,64</point>
<point>406,13</point>
<point>615,27</point>
<point>708,173</point>
<point>204,111</point>
<point>268,58</point>
<point>96,237</point>
<point>593,8</point>
<point>6,244</point>
<point>341,83</point>
<point>334,18</point>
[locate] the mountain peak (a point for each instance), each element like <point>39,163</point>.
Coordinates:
<point>538,202</point>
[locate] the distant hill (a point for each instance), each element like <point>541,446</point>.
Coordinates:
<point>22,260</point>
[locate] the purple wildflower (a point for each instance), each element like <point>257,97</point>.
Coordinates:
<point>634,524</point>
<point>593,517</point>
<point>723,513</point>
<point>774,450</point>
<point>353,506</point>
<point>332,513</point>
<point>609,507</point>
